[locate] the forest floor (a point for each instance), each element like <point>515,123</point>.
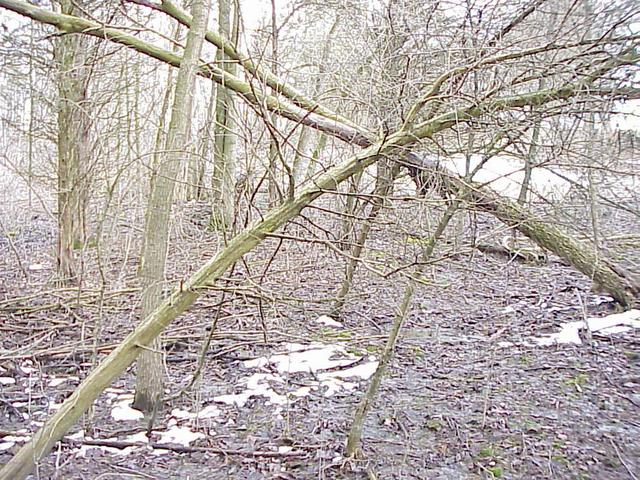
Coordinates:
<point>470,394</point>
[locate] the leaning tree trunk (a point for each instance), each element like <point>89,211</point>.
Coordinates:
<point>608,276</point>
<point>180,300</point>
<point>74,122</point>
<point>149,384</point>
<point>355,432</point>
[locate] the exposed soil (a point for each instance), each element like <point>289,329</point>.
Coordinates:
<point>468,395</point>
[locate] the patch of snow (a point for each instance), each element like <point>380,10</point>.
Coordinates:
<point>180,435</point>
<point>82,451</point>
<point>181,414</point>
<point>301,392</point>
<point>27,369</point>
<point>160,451</point>
<point>209,411</point>
<point>76,436</point>
<point>561,309</point>
<point>10,440</point>
<point>15,439</point>
<point>315,357</point>
<point>257,386</point>
<point>505,174</point>
<point>284,449</point>
<point>600,299</point>
<point>140,437</point>
<point>122,412</point>
<point>309,358</point>
<point>609,325</point>
<point>55,382</point>
<point>334,380</point>
<point>328,321</point>
<point>114,391</point>
<point>36,267</point>
<point>7,380</point>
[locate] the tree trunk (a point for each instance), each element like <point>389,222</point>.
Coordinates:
<point>149,383</point>
<point>223,180</point>
<point>161,134</point>
<point>355,432</point>
<point>74,123</point>
<point>530,159</point>
<point>608,276</point>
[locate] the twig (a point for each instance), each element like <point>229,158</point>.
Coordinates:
<point>624,464</point>
<point>187,449</point>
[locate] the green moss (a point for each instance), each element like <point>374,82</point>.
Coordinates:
<point>531,426</point>
<point>487,452</point>
<point>579,381</point>
<point>496,472</point>
<point>560,459</point>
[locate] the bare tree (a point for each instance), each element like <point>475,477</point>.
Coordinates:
<point>223,179</point>
<point>73,62</point>
<point>156,237</point>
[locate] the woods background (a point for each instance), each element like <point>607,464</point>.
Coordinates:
<point>463,172</point>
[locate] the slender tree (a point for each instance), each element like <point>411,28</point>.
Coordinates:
<point>149,386</point>
<point>223,179</point>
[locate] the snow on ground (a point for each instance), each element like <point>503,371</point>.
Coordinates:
<point>302,358</point>
<point>504,174</point>
<point>180,435</point>
<point>328,321</point>
<point>609,325</point>
<point>122,411</point>
<point>330,365</point>
<point>305,358</point>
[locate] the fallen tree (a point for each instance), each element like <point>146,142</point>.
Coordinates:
<point>610,278</point>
